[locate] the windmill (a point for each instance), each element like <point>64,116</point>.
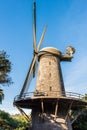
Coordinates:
<point>50,103</point>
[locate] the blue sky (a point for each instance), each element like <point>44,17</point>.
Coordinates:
<point>67,25</point>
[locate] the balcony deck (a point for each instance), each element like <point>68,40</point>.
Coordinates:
<point>31,100</point>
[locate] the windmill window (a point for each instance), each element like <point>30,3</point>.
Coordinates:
<point>50,88</point>
<point>50,74</point>
<point>49,62</point>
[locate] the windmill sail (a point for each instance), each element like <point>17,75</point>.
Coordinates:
<point>28,78</point>
<point>34,63</point>
<point>42,37</point>
<point>34,26</point>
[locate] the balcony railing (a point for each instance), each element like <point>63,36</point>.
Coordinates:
<point>56,94</point>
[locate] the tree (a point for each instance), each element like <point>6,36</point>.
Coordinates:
<point>85,97</point>
<point>80,123</point>
<point>5,68</point>
<point>1,95</point>
<point>7,122</point>
<point>12,122</point>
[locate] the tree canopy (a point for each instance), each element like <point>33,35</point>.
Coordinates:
<point>12,122</point>
<point>1,95</point>
<point>5,68</point>
<point>81,122</point>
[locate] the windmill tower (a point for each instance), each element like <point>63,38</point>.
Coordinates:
<point>50,104</point>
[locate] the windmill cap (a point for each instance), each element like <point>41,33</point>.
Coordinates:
<point>51,50</point>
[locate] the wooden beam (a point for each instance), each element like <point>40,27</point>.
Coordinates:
<point>42,106</point>
<point>68,111</point>
<point>79,113</point>
<point>56,109</point>
<point>23,113</point>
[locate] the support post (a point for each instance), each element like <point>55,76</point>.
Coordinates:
<point>42,106</point>
<point>56,109</point>
<point>23,113</point>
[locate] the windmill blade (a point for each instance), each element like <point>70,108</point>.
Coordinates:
<point>28,78</point>
<point>35,67</point>
<point>42,37</point>
<point>34,26</point>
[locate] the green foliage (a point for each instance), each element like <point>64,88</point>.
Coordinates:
<point>85,97</point>
<point>1,95</point>
<point>5,68</point>
<point>8,122</point>
<point>79,117</point>
<point>22,123</point>
<point>81,122</point>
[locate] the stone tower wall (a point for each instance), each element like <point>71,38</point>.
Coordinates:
<point>49,77</point>
<point>49,122</point>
